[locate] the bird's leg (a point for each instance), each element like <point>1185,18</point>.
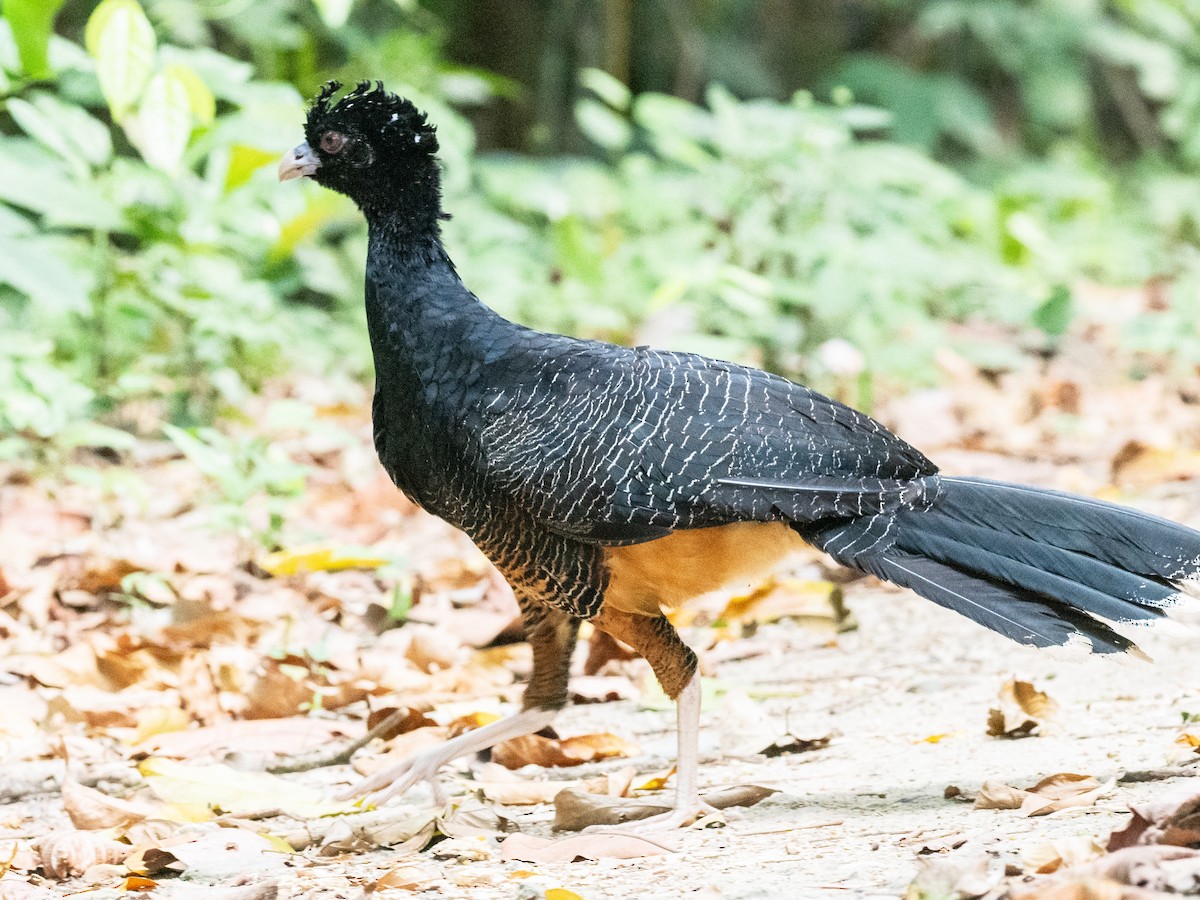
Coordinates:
<point>551,635</point>
<point>674,664</point>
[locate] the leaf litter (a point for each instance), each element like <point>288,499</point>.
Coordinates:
<point>130,637</point>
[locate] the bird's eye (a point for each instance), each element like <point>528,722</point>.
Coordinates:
<point>333,141</point>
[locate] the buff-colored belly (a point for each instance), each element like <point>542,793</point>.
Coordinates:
<point>645,577</point>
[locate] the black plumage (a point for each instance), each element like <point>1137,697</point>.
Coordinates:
<point>562,457</point>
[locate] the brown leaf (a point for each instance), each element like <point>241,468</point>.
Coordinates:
<point>1051,794</point>
<point>1063,791</point>
<point>995,795</point>
<point>527,848</point>
<point>405,878</point>
<point>91,810</point>
<point>1089,889</point>
<point>1023,711</point>
<point>575,810</point>
<point>151,859</point>
<point>411,721</point>
<point>1174,821</point>
<point>533,749</point>
<point>65,854</point>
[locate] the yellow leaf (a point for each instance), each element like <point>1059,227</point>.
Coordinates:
<point>775,599</point>
<point>189,788</point>
<point>561,894</point>
<point>244,161</point>
<point>320,558</point>
<point>155,720</point>
<point>658,782</point>
<point>934,739</point>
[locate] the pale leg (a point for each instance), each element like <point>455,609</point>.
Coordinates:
<point>397,779</point>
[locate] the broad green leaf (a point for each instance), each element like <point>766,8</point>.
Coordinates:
<point>607,88</point>
<point>34,180</point>
<point>121,40</point>
<point>1055,314</point>
<point>334,13</point>
<point>200,99</point>
<point>606,128</point>
<point>164,121</point>
<point>66,129</point>
<point>32,24</point>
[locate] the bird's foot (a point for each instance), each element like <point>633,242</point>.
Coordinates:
<point>398,779</point>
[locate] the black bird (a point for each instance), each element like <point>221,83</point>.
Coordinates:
<point>606,482</point>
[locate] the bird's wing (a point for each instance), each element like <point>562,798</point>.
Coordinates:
<point>619,446</point>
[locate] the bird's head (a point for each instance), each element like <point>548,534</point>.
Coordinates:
<point>372,146</point>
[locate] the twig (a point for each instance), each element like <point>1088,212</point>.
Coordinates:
<point>339,756</point>
<point>786,828</point>
<point>1141,775</point>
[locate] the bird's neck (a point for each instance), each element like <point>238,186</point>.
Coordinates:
<point>420,314</point>
<point>406,209</point>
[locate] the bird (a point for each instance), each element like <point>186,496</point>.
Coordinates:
<point>610,483</point>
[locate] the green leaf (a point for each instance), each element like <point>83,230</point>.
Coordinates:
<point>334,13</point>
<point>1055,314</point>
<point>33,179</point>
<point>32,24</point>
<point>200,99</point>
<point>603,126</point>
<point>121,40</point>
<point>66,129</point>
<point>609,89</point>
<point>164,121</point>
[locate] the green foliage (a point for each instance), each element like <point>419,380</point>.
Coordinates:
<point>253,480</point>
<point>753,231</point>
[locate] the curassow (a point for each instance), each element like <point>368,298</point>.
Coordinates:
<point>607,482</point>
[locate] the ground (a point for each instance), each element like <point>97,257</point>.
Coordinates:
<point>156,652</point>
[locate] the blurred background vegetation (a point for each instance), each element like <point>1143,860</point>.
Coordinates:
<point>834,189</point>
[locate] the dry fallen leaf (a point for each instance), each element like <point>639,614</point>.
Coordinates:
<point>533,749</point>
<point>576,810</point>
<point>816,603</point>
<point>91,810</point>
<point>1023,711</point>
<point>1174,821</point>
<point>961,876</point>
<point>65,854</point>
<point>320,558</point>
<point>1044,859</point>
<point>527,848</point>
<point>253,737</point>
<point>1055,792</point>
<point>196,791</point>
<point>790,743</point>
<point>405,878</point>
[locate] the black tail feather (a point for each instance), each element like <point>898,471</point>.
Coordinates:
<point>1035,566</point>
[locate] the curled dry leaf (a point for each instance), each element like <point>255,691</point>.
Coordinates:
<point>1023,711</point>
<point>91,810</point>
<point>405,878</point>
<point>533,749</point>
<point>1045,859</point>
<point>576,810</point>
<point>1171,821</point>
<point>65,854</point>
<point>790,743</point>
<point>527,848</point>
<point>1055,792</point>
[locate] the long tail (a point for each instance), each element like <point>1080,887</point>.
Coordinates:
<point>1036,566</point>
